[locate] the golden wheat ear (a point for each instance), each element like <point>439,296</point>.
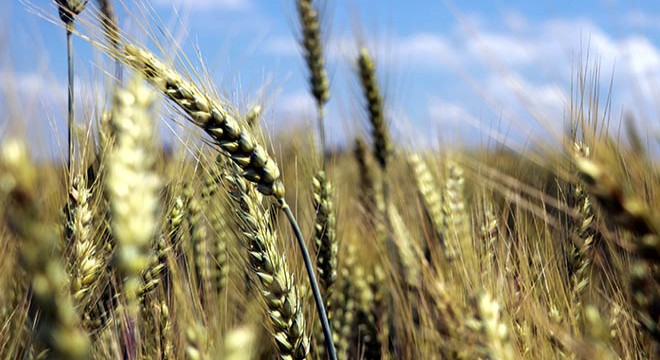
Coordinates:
<point>236,143</point>
<point>59,328</point>
<point>212,117</point>
<point>132,187</point>
<point>274,279</point>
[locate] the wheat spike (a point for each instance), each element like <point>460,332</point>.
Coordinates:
<point>325,232</point>
<point>214,118</point>
<point>68,9</point>
<point>239,344</point>
<point>133,187</point>
<point>198,236</point>
<point>274,279</point>
<point>85,263</point>
<point>380,133</point>
<point>311,43</point>
<point>59,323</point>
<point>495,330</point>
<point>431,198</point>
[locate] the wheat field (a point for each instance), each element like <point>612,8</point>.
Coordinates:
<point>240,244</point>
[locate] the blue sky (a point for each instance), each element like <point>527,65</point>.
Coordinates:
<point>452,71</point>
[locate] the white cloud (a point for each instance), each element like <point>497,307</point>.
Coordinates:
<point>518,73</point>
<point>427,50</point>
<point>229,5</point>
<point>450,113</point>
<point>506,48</point>
<point>282,46</point>
<point>294,106</point>
<point>642,57</point>
<point>424,49</point>
<point>638,19</point>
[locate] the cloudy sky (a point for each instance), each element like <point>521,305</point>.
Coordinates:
<point>469,71</point>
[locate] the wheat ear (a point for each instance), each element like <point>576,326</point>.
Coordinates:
<point>196,343</point>
<point>275,280</point>
<point>380,134</point>
<point>235,143</point>
<point>344,316</point>
<point>198,236</point>
<point>133,187</point>
<point>325,236</point>
<point>219,229</point>
<point>313,49</point>
<point>626,211</point>
<point>253,116</point>
<point>239,344</point>
<point>85,264</point>
<point>59,323</point>
<point>455,215</point>
<point>431,198</point>
<point>491,324</point>
<point>631,214</point>
<point>111,29</point>
<point>370,194</point>
<point>580,254</point>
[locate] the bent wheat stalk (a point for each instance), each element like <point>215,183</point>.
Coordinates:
<point>234,142</point>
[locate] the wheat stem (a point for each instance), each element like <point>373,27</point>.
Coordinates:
<point>327,333</point>
<point>70,119</point>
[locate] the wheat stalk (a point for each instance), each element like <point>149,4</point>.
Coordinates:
<point>68,9</point>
